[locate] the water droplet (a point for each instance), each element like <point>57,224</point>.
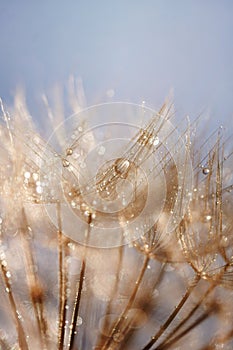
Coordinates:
<point>8,274</point>
<point>39,189</point>
<point>73,204</point>
<point>154,140</point>
<point>27,174</point>
<point>206,171</point>
<point>79,321</point>
<point>69,151</point>
<point>35,176</point>
<point>208,217</point>
<point>18,315</point>
<point>65,163</point>
<point>87,213</point>
<point>203,275</point>
<point>224,241</point>
<point>80,129</point>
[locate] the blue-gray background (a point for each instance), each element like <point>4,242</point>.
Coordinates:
<point>137,49</point>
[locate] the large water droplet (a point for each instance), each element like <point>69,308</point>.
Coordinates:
<point>206,171</point>
<point>69,151</point>
<point>65,163</point>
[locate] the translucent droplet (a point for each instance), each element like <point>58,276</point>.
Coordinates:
<point>8,274</point>
<point>79,321</point>
<point>39,189</point>
<point>69,151</point>
<point>224,241</point>
<point>206,171</point>
<point>27,174</point>
<point>73,204</point>
<point>65,163</point>
<point>154,141</point>
<point>35,176</point>
<point>18,315</point>
<point>203,275</point>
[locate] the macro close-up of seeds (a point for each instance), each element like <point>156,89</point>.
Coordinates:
<point>116,214</point>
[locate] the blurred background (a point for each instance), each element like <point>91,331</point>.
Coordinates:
<point>125,50</point>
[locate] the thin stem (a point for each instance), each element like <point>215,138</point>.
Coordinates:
<point>190,314</point>
<point>114,292</point>
<point>198,321</point>
<point>173,314</point>
<point>62,282</point>
<point>79,290</point>
<point>21,335</point>
<point>35,289</point>
<point>119,323</point>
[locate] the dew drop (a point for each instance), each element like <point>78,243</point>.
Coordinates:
<point>205,171</point>
<point>69,151</point>
<point>73,204</point>
<point>35,176</point>
<point>39,189</point>
<point>208,217</point>
<point>79,321</point>
<point>8,274</point>
<point>224,241</point>
<point>27,174</point>
<point>87,213</point>
<point>65,163</point>
<point>156,141</point>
